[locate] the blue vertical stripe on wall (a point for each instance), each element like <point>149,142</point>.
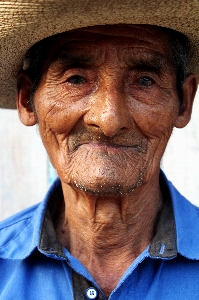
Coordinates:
<point>52,174</point>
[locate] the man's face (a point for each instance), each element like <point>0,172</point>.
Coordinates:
<point>106,106</point>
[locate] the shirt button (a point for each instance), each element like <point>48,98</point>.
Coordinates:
<point>91,293</point>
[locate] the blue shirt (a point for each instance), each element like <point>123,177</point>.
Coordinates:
<point>34,265</point>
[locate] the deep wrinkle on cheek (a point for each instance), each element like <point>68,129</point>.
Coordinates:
<point>158,116</point>
<point>54,111</point>
<point>56,146</point>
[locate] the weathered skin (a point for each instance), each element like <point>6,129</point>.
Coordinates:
<point>106,107</point>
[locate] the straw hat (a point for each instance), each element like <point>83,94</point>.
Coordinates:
<point>25,22</point>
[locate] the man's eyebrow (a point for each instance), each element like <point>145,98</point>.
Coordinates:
<point>71,59</point>
<point>151,63</point>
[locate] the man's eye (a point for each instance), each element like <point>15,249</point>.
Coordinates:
<point>145,81</point>
<point>76,79</point>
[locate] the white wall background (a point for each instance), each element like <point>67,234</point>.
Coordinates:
<point>23,165</point>
<point>25,173</point>
<point>181,159</point>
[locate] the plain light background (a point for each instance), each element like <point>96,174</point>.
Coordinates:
<point>25,172</point>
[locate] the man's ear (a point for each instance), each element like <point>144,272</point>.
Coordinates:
<point>189,90</point>
<point>25,110</point>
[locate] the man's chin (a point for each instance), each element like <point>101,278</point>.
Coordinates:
<point>106,189</point>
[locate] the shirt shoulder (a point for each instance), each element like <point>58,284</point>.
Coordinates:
<point>20,234</point>
<point>18,230</point>
<point>18,217</point>
<point>186,217</point>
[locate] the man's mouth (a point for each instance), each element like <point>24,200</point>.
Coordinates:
<point>123,141</point>
<point>109,147</point>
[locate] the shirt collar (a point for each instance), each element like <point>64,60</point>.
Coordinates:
<point>48,242</point>
<point>177,230</point>
<point>164,243</point>
<point>187,224</point>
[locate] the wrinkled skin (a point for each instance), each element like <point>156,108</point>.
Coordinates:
<point>106,107</point>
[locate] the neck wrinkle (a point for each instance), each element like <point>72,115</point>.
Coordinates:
<point>100,226</point>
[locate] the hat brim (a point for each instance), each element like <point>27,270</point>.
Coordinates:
<point>25,23</point>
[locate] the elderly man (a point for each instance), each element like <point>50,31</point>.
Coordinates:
<point>105,99</point>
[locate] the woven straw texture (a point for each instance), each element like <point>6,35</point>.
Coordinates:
<point>23,23</point>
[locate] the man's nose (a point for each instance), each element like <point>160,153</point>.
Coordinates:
<point>108,110</point>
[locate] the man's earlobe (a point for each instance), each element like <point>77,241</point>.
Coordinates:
<point>189,91</point>
<point>26,112</point>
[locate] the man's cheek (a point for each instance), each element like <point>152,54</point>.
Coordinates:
<point>157,121</point>
<point>55,145</point>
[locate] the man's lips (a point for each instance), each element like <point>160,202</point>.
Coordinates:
<point>124,140</point>
<point>109,147</point>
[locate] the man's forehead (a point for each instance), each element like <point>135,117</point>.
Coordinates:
<point>124,30</point>
<point>153,33</point>
<point>128,31</point>
<point>132,39</point>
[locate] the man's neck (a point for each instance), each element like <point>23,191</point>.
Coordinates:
<point>107,233</point>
